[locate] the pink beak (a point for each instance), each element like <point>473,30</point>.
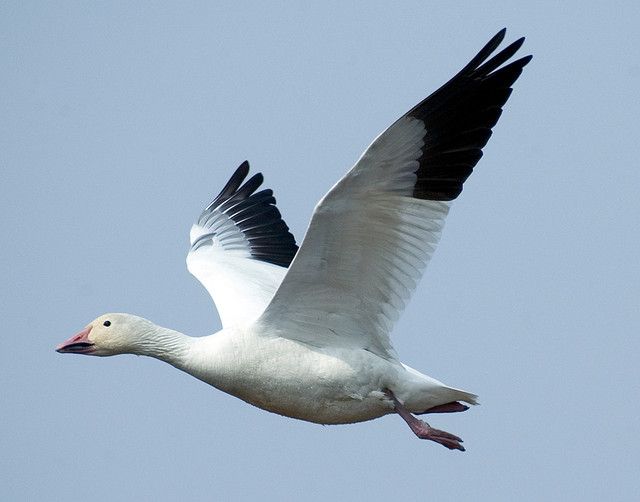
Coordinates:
<point>77,344</point>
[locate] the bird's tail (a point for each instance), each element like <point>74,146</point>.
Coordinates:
<point>465,396</point>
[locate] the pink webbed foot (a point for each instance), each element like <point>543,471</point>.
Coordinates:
<point>423,430</point>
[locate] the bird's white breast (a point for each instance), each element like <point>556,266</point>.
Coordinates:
<point>287,377</point>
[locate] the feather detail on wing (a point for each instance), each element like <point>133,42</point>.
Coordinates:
<point>372,235</point>
<point>240,248</point>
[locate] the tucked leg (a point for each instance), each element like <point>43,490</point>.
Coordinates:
<point>451,407</point>
<point>423,430</point>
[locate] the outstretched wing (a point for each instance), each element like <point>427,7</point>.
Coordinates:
<point>372,235</point>
<point>241,248</point>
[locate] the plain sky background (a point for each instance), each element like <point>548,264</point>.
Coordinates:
<point>119,121</point>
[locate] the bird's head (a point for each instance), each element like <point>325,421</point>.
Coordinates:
<point>108,335</point>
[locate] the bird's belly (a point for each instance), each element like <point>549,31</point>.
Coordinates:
<point>294,380</point>
<point>316,401</point>
<point>324,402</point>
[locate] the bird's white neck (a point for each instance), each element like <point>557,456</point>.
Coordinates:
<point>164,344</point>
<point>211,359</point>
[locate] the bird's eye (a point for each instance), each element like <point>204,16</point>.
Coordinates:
<point>106,323</point>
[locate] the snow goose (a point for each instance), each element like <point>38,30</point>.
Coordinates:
<point>306,331</point>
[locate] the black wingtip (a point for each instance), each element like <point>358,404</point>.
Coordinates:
<point>238,176</point>
<point>255,216</point>
<point>497,39</point>
<point>244,168</point>
<point>517,44</point>
<point>525,60</point>
<point>459,117</point>
<point>485,52</point>
<point>498,59</point>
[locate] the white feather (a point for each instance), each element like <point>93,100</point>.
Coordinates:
<point>364,252</point>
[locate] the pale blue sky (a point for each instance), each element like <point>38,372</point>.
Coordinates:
<point>119,121</point>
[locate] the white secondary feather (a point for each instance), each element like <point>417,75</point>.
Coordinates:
<point>240,287</point>
<point>364,252</point>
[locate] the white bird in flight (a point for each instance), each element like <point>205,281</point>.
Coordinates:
<point>306,331</point>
